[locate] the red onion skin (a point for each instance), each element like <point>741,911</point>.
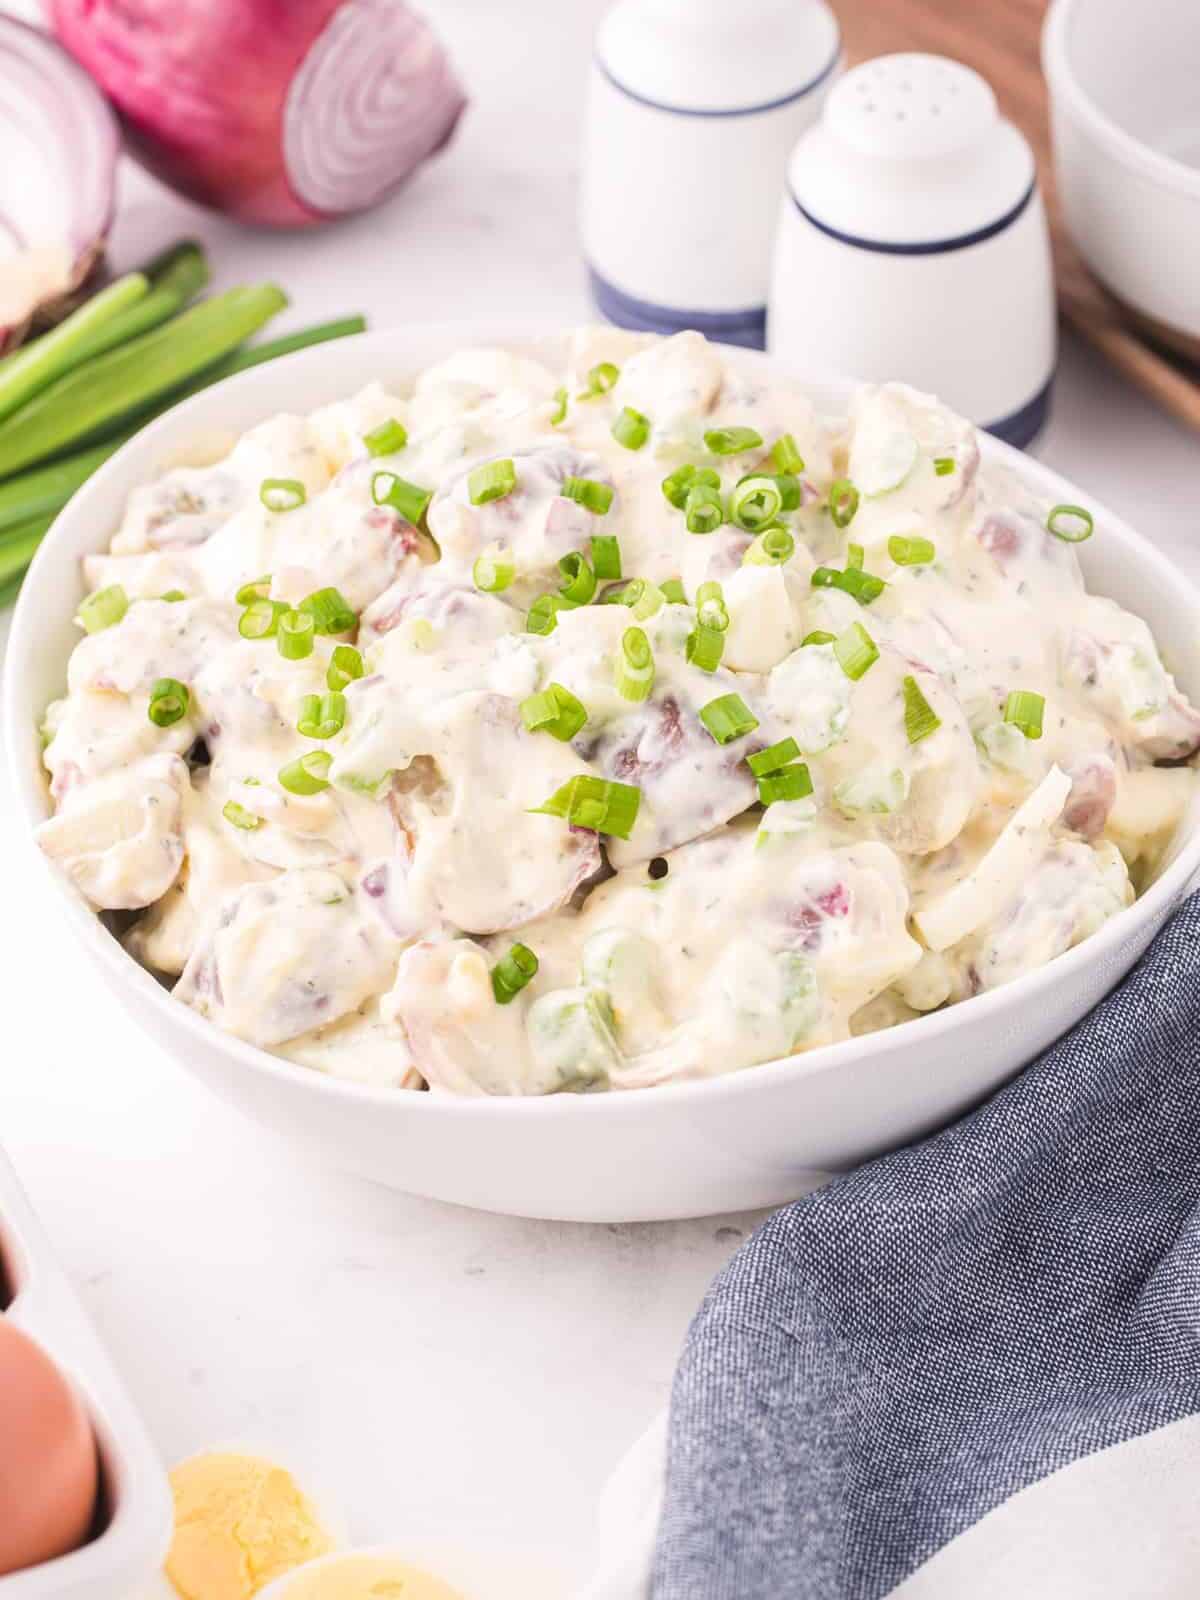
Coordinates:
<point>201,87</point>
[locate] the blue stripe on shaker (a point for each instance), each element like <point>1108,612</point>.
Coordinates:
<point>730,111</point>
<point>1023,426</point>
<point>747,328</point>
<point>925,247</point>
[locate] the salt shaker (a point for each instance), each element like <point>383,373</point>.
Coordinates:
<point>694,108</point>
<point>912,244</point>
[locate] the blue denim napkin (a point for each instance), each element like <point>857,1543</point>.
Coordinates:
<point>889,1359</point>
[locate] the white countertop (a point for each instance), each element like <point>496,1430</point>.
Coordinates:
<point>468,1372</point>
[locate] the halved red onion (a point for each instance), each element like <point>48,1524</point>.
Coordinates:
<point>286,114</point>
<point>60,141</point>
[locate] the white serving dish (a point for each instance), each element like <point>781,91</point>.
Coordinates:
<point>1125,115</point>
<point>132,1541</point>
<point>692,1149</point>
<point>912,239</point>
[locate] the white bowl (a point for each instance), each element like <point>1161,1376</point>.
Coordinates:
<point>1126,120</point>
<point>690,1149</point>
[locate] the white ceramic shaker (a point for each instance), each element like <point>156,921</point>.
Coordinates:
<point>913,245</point>
<point>694,108</point>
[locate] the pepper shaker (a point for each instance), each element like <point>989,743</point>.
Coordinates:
<point>912,244</point>
<point>694,107</point>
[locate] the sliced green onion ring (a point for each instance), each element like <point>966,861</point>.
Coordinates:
<point>513,972</point>
<point>943,465</point>
<point>388,438</point>
<point>492,481</point>
<point>260,620</point>
<point>755,502</point>
<point>590,493</point>
<point>409,499</point>
<point>785,455</point>
<point>173,596</point>
<point>240,817</point>
<point>672,592</point>
<point>578,580</point>
<point>914,552</point>
<point>818,636</point>
<point>1072,524</point>
<point>676,484</point>
<point>559,414</point>
<point>494,569</point>
<point>600,380</point>
<point>600,804</point>
<point>862,586</point>
<point>555,711</point>
<point>308,774</point>
<point>104,608</point>
<point>256,589</point>
<point>542,616</point>
<point>855,650</point>
<point>606,557</point>
<point>789,489</point>
<point>711,611</point>
<point>345,665</point>
<point>920,719</point>
<point>703,512</point>
<point>771,549</point>
<point>728,718</point>
<point>631,428</point>
<point>843,502</point>
<point>329,611</point>
<point>731,441</point>
<point>322,715</point>
<point>855,556</point>
<point>282,494</point>
<point>635,666</point>
<point>168,702</point>
<point>792,782</point>
<point>764,762</point>
<point>705,647</point>
<point>1025,709</point>
<point>294,634</point>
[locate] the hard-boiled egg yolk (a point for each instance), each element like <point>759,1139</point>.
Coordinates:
<point>367,1577</point>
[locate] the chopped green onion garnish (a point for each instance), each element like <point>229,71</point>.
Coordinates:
<point>641,596</point>
<point>631,428</point>
<point>542,615</point>
<point>168,702</point>
<point>173,596</point>
<point>256,589</point>
<point>492,481</point>
<point>676,485</point>
<point>787,783</point>
<point>596,803</point>
<point>555,711</point>
<point>943,465</point>
<point>330,613</point>
<point>863,586</point>
<point>703,512</point>
<point>705,647</point>
<point>785,456</point>
<point>856,650</point>
<point>672,591</point>
<point>755,502</point>
<point>855,556</point>
<point>308,774</point>
<point>773,757</point>
<point>494,569</point>
<point>600,380</point>
<point>843,502</point>
<point>590,493</point>
<point>282,494</point>
<point>512,972</point>
<point>789,489</point>
<point>635,666</point>
<point>711,611</point>
<point>409,499</point>
<point>817,636</point>
<point>915,552</point>
<point>920,719</point>
<point>322,715</point>
<point>239,816</point>
<point>731,441</point>
<point>578,580</point>
<point>261,619</point>
<point>559,414</point>
<point>294,633</point>
<point>728,717</point>
<point>770,549</point>
<point>104,609</point>
<point>606,557</point>
<point>1073,524</point>
<point>1024,709</point>
<point>387,438</point>
<point>345,664</point>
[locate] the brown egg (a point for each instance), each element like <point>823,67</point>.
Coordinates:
<point>48,1468</point>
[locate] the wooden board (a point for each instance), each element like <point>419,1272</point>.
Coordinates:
<point>1002,41</point>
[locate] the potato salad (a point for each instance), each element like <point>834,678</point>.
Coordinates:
<point>515,730</point>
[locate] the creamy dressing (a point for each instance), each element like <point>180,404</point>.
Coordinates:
<point>929,849</point>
